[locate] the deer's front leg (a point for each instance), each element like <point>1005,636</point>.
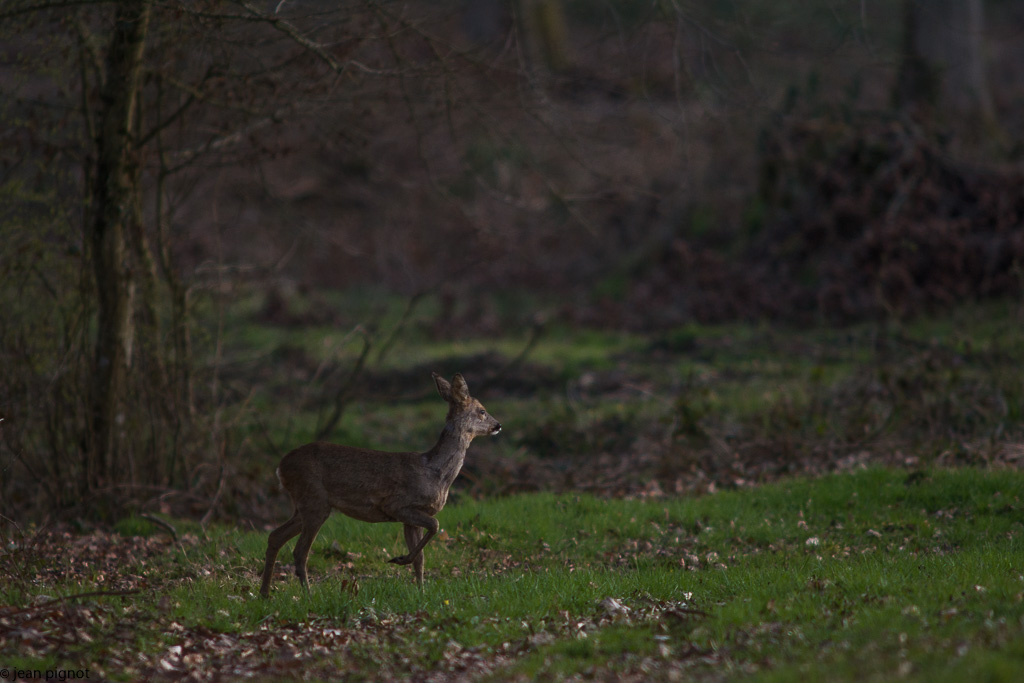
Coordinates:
<point>413,534</point>
<point>415,518</point>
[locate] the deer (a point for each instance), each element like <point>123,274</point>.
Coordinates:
<point>377,486</point>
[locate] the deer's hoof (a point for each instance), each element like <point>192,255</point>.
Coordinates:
<point>404,559</point>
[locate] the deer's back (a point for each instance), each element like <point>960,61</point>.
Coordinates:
<point>366,484</point>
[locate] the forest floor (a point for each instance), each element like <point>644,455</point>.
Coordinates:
<point>711,502</point>
<point>876,574</point>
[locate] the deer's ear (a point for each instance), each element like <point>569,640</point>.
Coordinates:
<point>460,392</point>
<point>443,387</point>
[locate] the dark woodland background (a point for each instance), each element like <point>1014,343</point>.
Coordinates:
<point>595,164</point>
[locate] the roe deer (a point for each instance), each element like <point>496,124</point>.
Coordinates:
<point>376,486</point>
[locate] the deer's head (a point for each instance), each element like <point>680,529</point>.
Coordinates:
<point>465,412</point>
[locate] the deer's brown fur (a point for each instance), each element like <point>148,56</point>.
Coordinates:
<point>377,486</point>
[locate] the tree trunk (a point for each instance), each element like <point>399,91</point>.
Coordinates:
<point>943,69</point>
<point>114,200</point>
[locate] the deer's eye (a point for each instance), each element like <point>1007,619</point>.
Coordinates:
<point>482,412</point>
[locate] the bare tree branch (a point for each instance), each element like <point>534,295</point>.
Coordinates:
<point>295,34</point>
<point>186,156</point>
<point>63,4</point>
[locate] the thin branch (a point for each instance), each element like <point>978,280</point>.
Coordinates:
<point>186,156</point>
<point>197,94</point>
<point>63,4</point>
<point>26,462</point>
<point>537,329</point>
<point>163,524</point>
<point>341,396</point>
<point>86,48</point>
<point>78,596</point>
<point>410,306</point>
<point>295,34</point>
<point>216,499</point>
<point>319,50</point>
<point>176,115</point>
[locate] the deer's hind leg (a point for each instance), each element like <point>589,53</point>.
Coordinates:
<point>413,534</point>
<point>419,520</point>
<point>313,517</point>
<point>278,537</point>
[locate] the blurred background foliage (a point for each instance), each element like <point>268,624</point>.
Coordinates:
<point>209,208</point>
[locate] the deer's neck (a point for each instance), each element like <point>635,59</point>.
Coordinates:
<point>447,456</point>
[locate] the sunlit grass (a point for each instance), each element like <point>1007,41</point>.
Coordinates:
<point>870,573</point>
<point>873,574</point>
<point>931,386</point>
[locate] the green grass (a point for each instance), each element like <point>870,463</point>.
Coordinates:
<point>934,380</point>
<point>872,574</point>
<point>932,387</point>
